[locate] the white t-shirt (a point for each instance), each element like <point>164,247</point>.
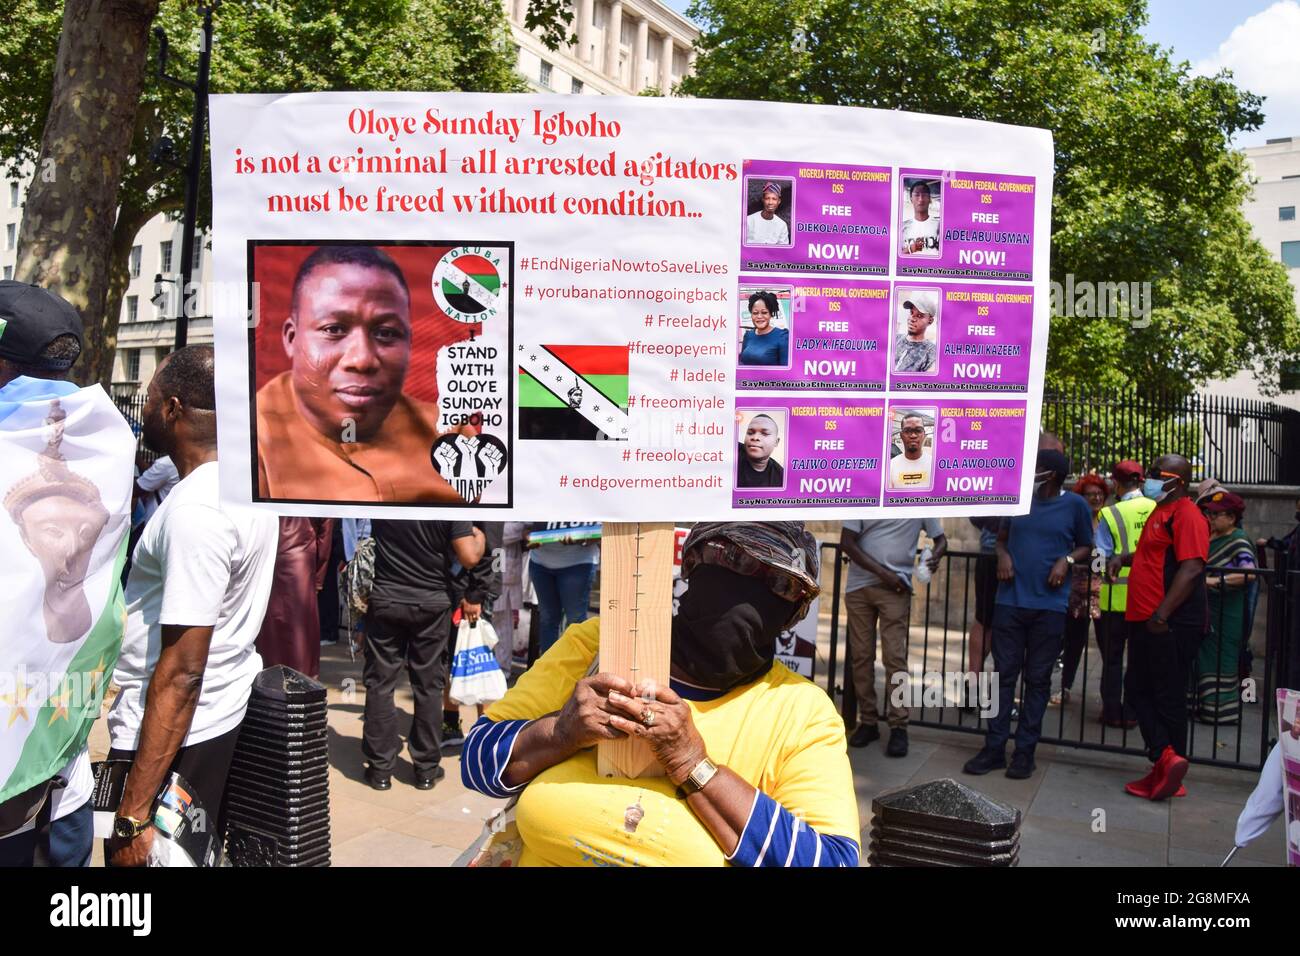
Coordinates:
<point>200,562</point>
<point>927,230</point>
<point>159,478</point>
<point>766,232</point>
<point>905,473</point>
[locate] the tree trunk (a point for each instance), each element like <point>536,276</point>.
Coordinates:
<point>130,220</point>
<point>66,240</point>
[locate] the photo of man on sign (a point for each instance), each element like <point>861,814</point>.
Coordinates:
<point>342,423</point>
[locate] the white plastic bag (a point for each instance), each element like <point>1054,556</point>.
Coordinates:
<point>476,677</point>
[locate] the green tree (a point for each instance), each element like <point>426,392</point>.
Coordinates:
<point>1147,187</point>
<point>286,46</point>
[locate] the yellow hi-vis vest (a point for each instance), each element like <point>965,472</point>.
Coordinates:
<point>1125,519</point>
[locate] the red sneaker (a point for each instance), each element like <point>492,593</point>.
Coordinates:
<point>1170,770</point>
<point>1181,792</point>
<point>1142,788</point>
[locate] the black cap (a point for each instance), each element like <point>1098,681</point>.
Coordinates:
<point>1049,459</point>
<point>30,319</point>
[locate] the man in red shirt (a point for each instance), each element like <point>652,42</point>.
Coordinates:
<point>1167,616</point>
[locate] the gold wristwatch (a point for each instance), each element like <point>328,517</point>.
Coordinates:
<point>128,828</point>
<point>699,777</point>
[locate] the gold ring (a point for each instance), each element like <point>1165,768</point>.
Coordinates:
<point>648,717</point>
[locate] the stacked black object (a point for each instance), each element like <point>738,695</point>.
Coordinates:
<point>942,823</point>
<point>277,797</point>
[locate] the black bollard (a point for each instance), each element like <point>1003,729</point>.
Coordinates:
<point>277,798</point>
<point>942,823</point>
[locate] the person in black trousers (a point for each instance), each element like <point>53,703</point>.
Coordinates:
<point>408,623</point>
<point>474,591</point>
<point>1167,617</point>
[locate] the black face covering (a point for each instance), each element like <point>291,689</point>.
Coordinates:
<point>725,629</point>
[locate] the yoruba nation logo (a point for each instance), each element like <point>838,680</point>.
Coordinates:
<point>467,283</point>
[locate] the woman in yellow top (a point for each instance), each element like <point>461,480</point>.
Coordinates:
<point>757,771</point>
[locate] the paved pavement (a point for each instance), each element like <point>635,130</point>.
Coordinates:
<point>1074,807</point>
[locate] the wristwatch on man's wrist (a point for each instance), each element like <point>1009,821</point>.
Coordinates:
<point>1069,559</point>
<point>699,777</point>
<point>128,828</point>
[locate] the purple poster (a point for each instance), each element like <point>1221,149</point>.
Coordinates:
<point>943,452</point>
<point>807,452</point>
<point>814,217</point>
<point>965,225</point>
<point>946,337</point>
<point>828,332</point>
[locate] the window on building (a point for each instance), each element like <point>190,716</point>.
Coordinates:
<point>1286,213</point>
<point>626,26</point>
<point>133,312</point>
<point>165,256</point>
<point>577,86</point>
<point>9,272</point>
<point>136,253</point>
<point>132,363</point>
<point>13,195</point>
<point>544,76</point>
<point>1291,255</point>
<point>197,257</point>
<point>11,235</point>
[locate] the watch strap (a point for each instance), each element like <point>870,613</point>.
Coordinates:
<point>698,778</point>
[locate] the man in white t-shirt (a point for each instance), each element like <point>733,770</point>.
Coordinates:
<point>765,227</point>
<point>195,601</point>
<point>914,468</point>
<point>920,230</point>
<point>156,484</point>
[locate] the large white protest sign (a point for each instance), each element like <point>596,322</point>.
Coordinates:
<point>625,308</point>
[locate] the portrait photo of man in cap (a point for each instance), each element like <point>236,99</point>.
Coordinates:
<point>769,203</point>
<point>916,332</point>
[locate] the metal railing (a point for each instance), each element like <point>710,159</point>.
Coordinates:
<point>1236,440</point>
<point>130,402</point>
<point>947,612</point>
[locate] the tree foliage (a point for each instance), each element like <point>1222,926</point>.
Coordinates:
<point>1147,187</point>
<point>260,46</point>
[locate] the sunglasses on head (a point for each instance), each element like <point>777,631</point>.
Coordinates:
<point>728,555</point>
<point>1153,473</point>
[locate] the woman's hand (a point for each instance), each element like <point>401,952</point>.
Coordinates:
<point>671,732</point>
<point>586,718</point>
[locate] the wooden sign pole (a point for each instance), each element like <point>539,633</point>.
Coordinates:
<point>636,593</point>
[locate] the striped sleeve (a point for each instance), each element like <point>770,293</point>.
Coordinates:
<point>485,754</point>
<point>773,836</point>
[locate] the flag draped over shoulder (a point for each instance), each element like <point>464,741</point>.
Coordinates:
<point>66,471</point>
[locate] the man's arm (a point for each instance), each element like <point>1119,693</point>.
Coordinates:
<point>168,711</point>
<point>849,545</point>
<point>469,548</point>
<point>1006,568</point>
<point>1180,590</point>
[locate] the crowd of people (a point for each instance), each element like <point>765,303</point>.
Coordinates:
<point>205,594</point>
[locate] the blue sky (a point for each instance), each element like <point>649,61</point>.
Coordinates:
<point>1259,40</point>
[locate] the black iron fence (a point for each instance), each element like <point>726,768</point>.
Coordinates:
<point>130,402</point>
<point>1232,715</point>
<point>1236,440</point>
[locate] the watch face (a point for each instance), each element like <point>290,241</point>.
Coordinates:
<point>122,827</point>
